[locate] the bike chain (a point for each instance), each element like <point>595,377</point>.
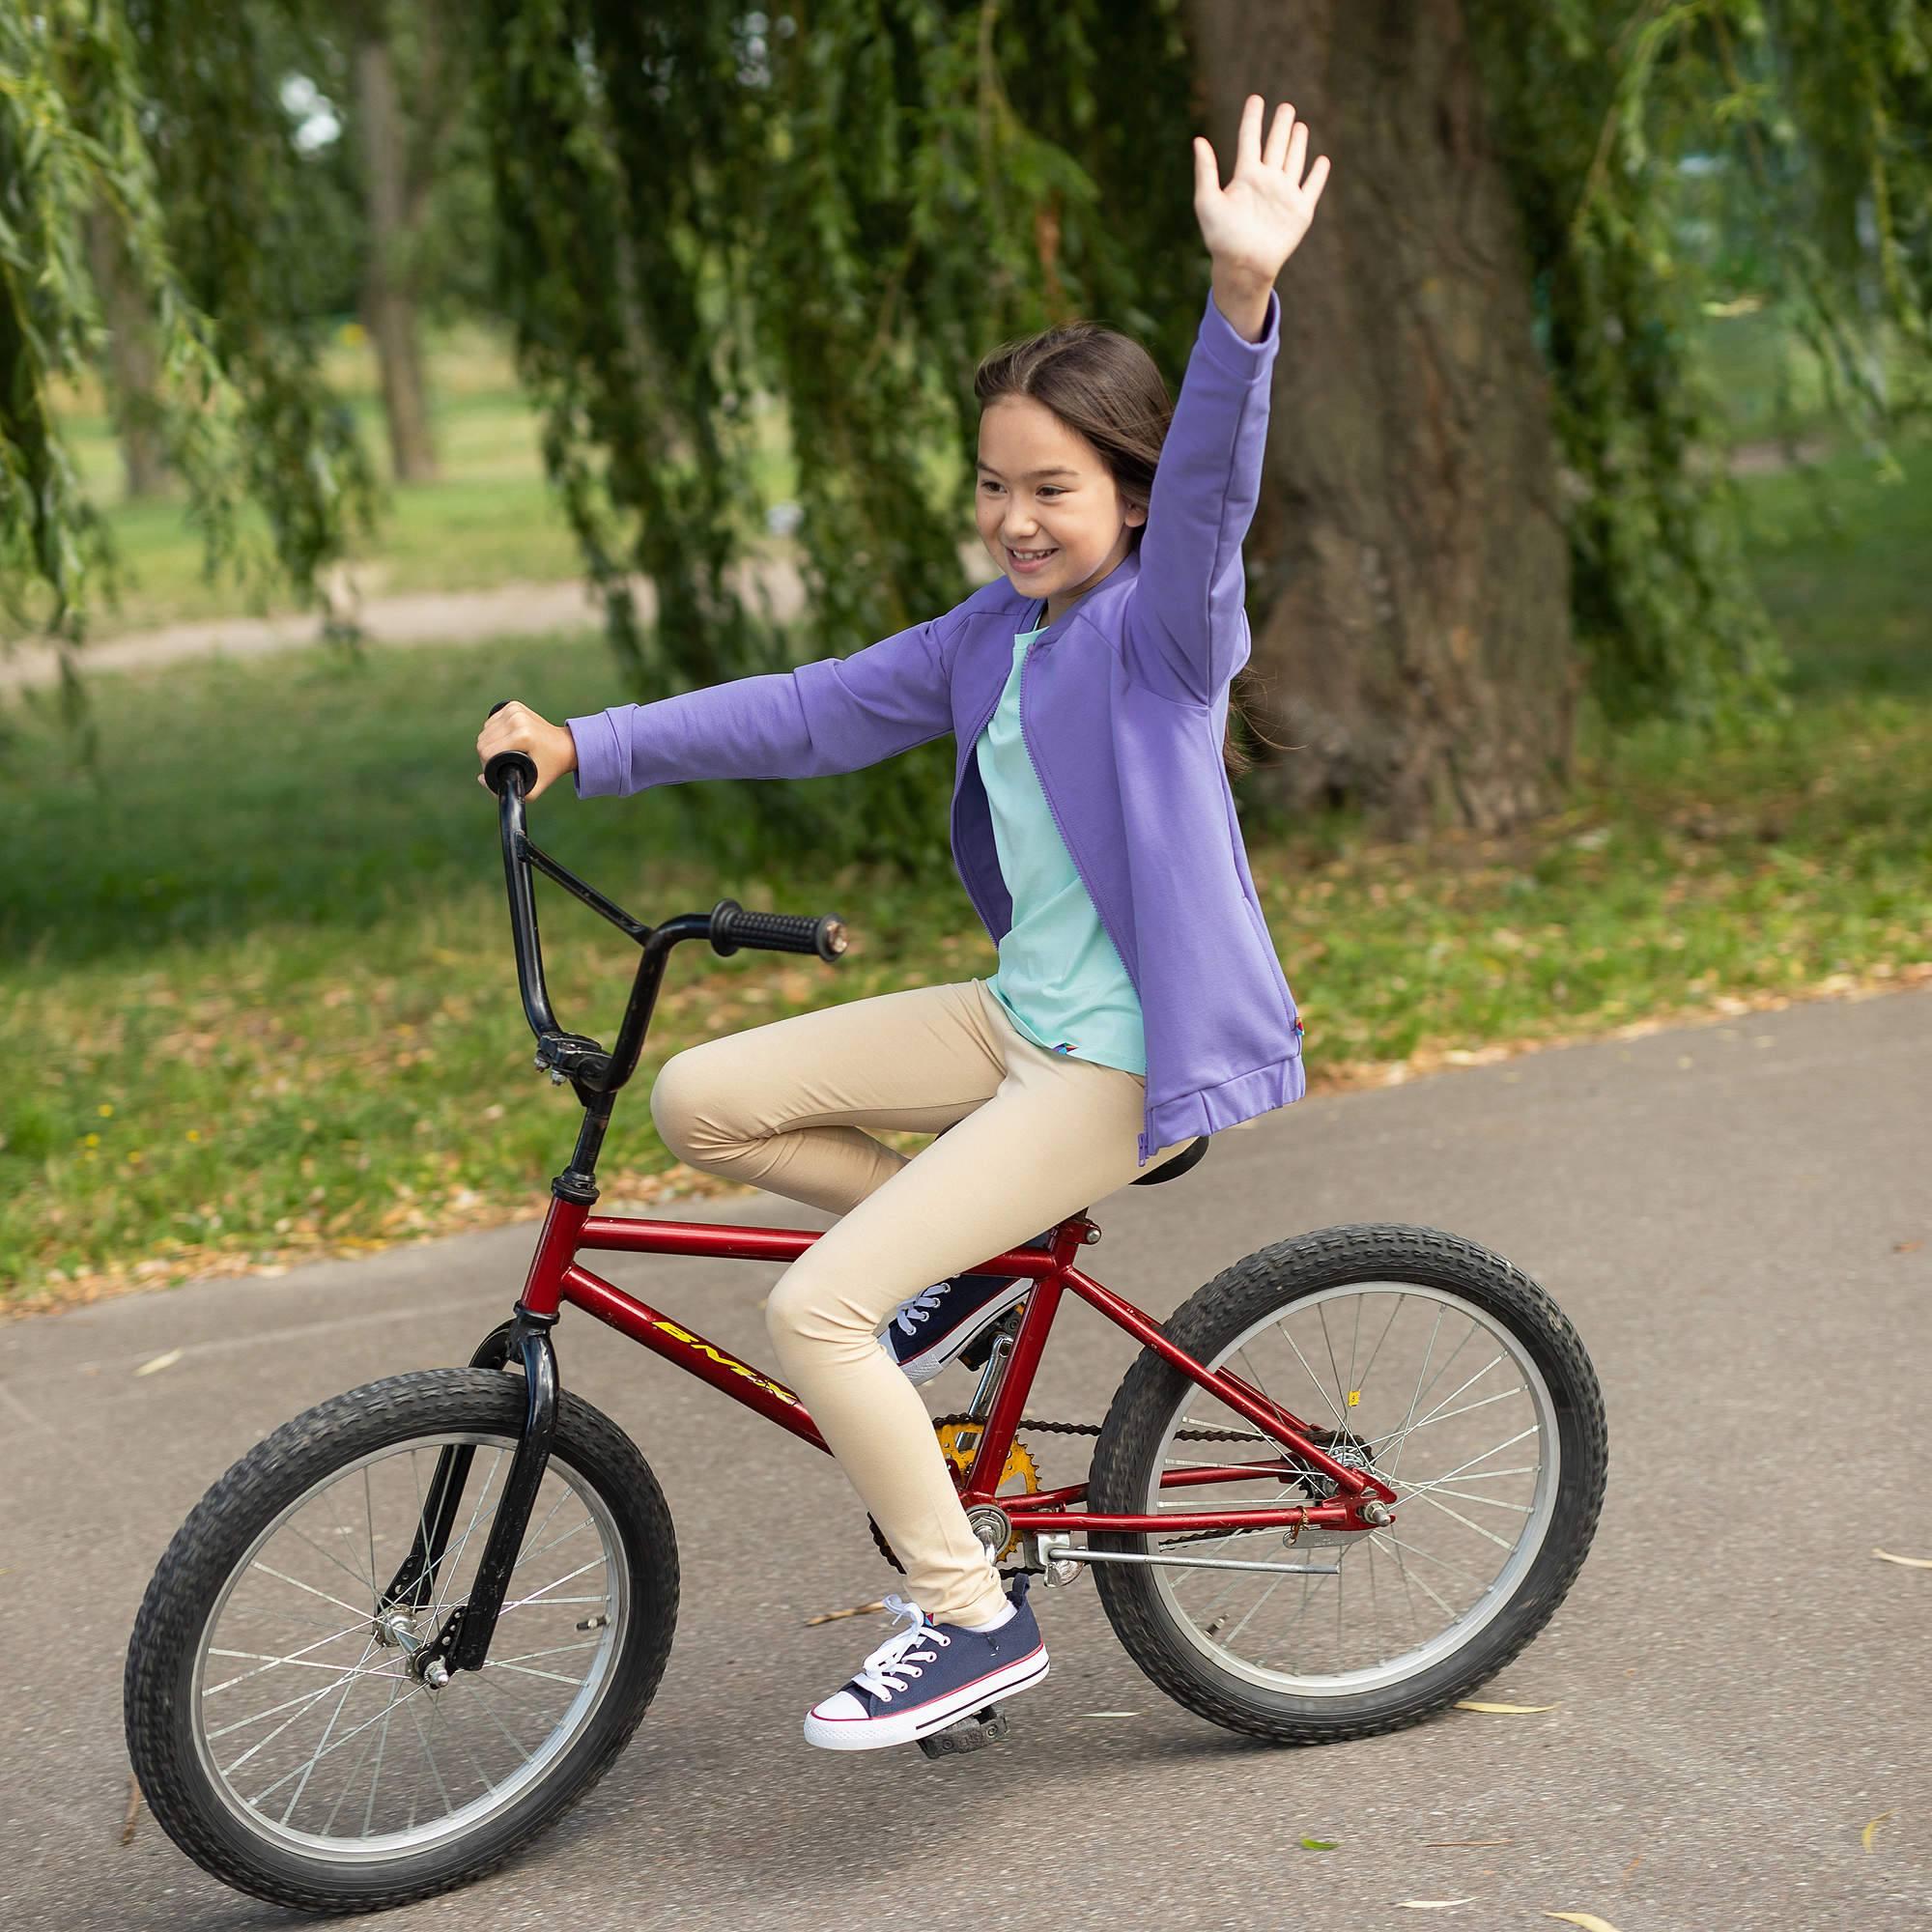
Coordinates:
<point>1093,1429</point>
<point>1041,1428</point>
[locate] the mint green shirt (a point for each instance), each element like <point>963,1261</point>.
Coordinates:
<point>1059,976</point>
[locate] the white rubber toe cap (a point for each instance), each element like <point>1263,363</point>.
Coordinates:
<point>840,1706</point>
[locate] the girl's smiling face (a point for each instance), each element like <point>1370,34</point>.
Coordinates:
<point>1043,487</point>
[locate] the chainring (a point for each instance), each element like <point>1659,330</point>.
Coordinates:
<point>958,1435</point>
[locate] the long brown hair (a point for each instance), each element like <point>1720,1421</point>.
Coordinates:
<point>1104,386</point>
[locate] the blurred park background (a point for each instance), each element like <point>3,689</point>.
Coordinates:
<point>1591,583</point>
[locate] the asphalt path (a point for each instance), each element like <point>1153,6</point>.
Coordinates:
<point>1737,1217</point>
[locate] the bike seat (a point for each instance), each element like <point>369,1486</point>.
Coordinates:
<point>1171,1170</point>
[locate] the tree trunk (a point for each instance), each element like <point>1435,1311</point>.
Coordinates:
<point>388,301</point>
<point>131,359</point>
<point>1407,565</point>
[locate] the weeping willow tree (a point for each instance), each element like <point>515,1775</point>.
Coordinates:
<point>843,207</point>
<point>143,146</point>
<point>1490,482</point>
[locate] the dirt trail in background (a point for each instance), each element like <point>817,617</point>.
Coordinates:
<point>423,618</point>
<point>509,610</point>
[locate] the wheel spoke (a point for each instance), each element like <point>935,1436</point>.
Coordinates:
<point>571,1577</point>
<point>1423,1496</point>
<point>1321,1389</point>
<point>429,1752</point>
<point>361,1614</point>
<point>376,1778</point>
<point>307,1700</point>
<point>293,1657</point>
<point>1421,1583</point>
<point>329,1556</point>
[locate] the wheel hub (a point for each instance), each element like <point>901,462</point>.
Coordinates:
<point>1339,1445</point>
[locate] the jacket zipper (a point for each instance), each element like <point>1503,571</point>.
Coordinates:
<point>1024,663</point>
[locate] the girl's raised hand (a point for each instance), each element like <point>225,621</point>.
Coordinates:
<point>1256,221</point>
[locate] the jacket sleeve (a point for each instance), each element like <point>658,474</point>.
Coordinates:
<point>1185,627</point>
<point>831,715</point>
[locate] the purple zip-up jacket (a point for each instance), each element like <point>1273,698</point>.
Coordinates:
<point>1123,705</point>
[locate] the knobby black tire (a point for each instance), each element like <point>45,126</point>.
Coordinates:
<point>295,1460</point>
<point>1269,1282</point>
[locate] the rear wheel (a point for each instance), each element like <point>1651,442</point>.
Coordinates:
<point>1421,1356</point>
<point>277,1731</point>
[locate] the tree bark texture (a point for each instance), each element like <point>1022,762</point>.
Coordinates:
<point>1408,568</point>
<point>388,301</point>
<point>131,359</point>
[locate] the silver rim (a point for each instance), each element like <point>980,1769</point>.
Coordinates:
<point>310,1728</point>
<point>1447,1407</point>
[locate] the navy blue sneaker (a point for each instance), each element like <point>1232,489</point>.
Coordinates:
<point>929,1676</point>
<point>927,1329</point>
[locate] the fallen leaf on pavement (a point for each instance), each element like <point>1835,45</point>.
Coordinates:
<point>134,1807</point>
<point>1866,1834</point>
<point>833,1616</point>
<point>1318,1844</point>
<point>1508,1710</point>
<point>1910,1562</point>
<point>166,1361</point>
<point>1588,1920</point>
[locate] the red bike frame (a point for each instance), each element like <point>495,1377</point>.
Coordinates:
<point>557,1278</point>
<point>1358,1500</point>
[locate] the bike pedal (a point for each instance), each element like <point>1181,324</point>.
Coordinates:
<point>970,1734</point>
<point>978,1351</point>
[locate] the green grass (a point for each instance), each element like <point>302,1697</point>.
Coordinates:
<point>488,519</point>
<point>262,1004</point>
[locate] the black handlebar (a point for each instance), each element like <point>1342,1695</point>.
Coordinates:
<point>727,925</point>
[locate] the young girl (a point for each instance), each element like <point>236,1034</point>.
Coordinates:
<point>1138,1001</point>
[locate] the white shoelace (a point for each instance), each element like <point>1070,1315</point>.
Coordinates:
<point>921,1305</point>
<point>894,1659</point>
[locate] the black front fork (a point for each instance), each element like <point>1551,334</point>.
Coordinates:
<point>464,1638</point>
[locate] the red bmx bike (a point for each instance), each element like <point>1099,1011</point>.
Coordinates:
<point>400,1637</point>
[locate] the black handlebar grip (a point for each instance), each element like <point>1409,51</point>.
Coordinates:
<point>732,926</point>
<point>503,762</point>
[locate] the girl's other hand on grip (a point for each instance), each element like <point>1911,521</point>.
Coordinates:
<point>517,728</point>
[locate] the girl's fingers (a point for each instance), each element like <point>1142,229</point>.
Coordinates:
<point>1207,172</point>
<point>1278,136</point>
<point>1317,177</point>
<point>1248,141</point>
<point>1297,152</point>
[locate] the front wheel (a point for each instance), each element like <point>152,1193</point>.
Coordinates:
<point>1419,1355</point>
<point>277,1731</point>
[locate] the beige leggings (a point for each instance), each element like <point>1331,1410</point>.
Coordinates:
<point>1036,1136</point>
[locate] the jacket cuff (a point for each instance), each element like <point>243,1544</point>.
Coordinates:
<point>600,759</point>
<point>1220,342</point>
